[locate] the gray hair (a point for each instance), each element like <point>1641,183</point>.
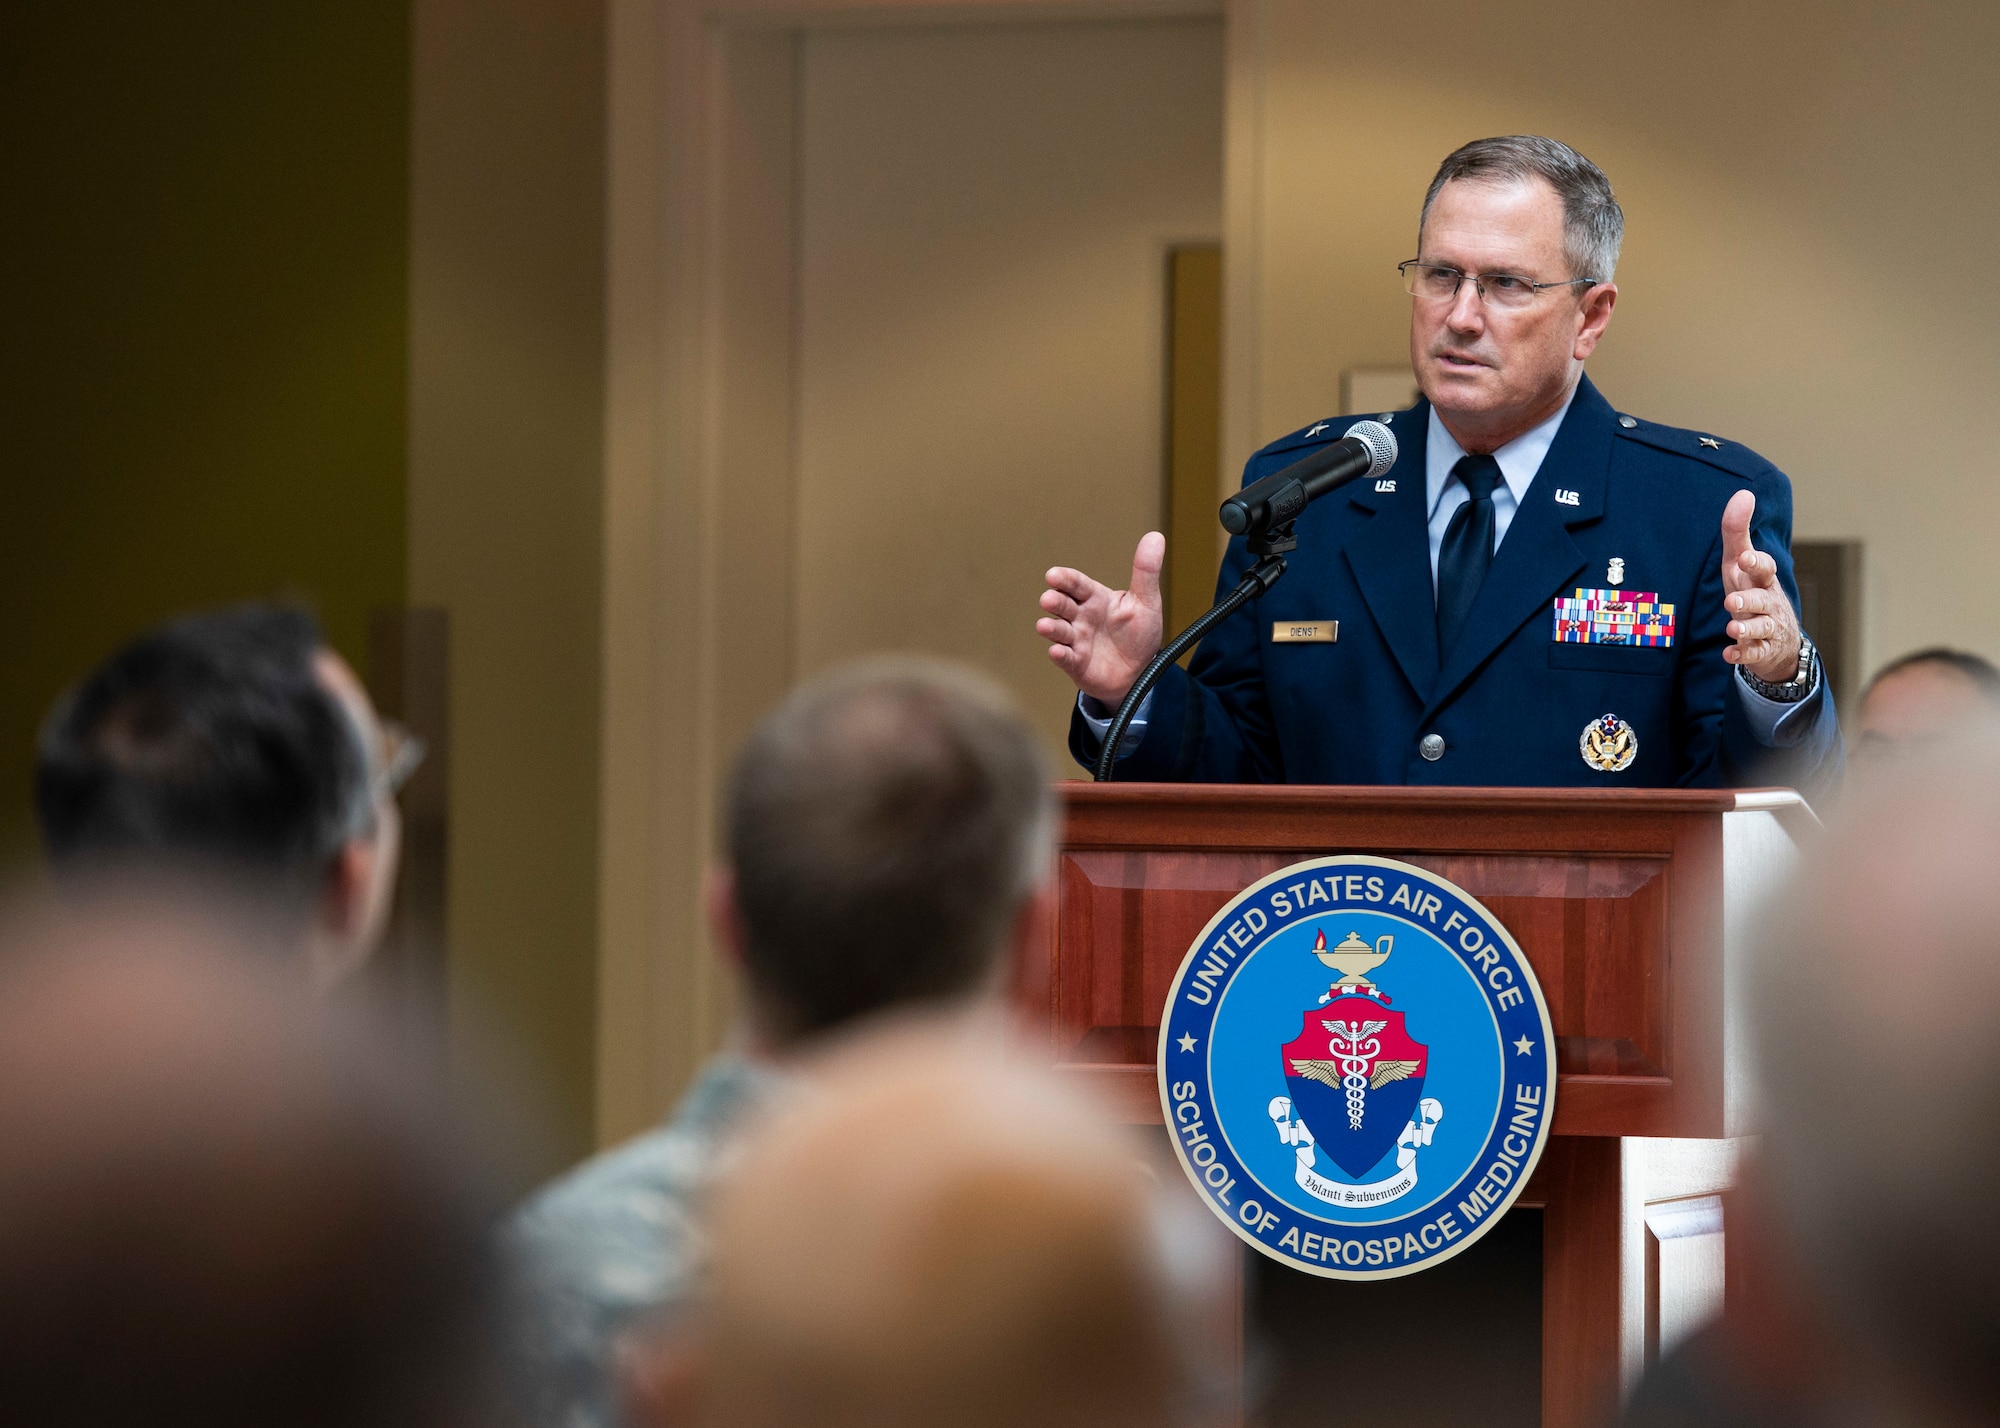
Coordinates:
<point>884,826</point>
<point>358,796</point>
<point>1593,223</point>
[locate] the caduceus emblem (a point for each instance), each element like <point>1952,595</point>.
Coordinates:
<point>1354,1065</point>
<point>1353,1091</point>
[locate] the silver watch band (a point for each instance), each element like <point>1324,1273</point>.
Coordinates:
<point>1796,688</point>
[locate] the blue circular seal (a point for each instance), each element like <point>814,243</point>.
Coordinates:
<point>1357,1067</point>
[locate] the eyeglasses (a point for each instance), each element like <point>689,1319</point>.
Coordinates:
<point>398,758</point>
<point>1434,283</point>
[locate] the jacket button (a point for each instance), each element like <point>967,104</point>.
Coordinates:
<point>1432,747</point>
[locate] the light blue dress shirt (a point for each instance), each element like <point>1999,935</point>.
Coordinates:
<point>1444,493</point>
<point>1775,725</point>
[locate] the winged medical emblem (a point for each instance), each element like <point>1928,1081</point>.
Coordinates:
<point>1327,1073</point>
<point>1356,1080</point>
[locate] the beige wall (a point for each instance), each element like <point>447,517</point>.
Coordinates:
<point>506,513</point>
<point>1801,183</point>
<point>984,218</point>
<point>700,473</point>
<point>1799,179</point>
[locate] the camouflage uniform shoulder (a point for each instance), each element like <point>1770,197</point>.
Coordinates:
<point>617,1238</point>
<point>1729,457</point>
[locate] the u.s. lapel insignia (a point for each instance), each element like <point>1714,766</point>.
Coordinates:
<point>1614,573</point>
<point>1608,744</point>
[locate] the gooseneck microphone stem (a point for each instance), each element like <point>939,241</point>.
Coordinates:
<point>1260,579</point>
<point>1265,514</point>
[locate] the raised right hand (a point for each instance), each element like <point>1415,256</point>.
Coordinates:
<point>1101,638</point>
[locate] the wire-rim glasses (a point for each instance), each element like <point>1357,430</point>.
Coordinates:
<point>397,758</point>
<point>1434,282</point>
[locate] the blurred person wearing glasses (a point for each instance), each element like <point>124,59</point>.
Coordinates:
<point>888,836</point>
<point>234,747</point>
<point>1541,590</point>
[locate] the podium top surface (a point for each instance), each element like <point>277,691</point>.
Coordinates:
<point>1192,815</point>
<point>1081,794</point>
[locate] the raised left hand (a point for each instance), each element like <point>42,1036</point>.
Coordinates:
<point>1762,622</point>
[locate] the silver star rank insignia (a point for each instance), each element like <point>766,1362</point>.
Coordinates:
<point>1710,441</point>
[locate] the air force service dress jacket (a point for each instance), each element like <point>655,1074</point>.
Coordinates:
<point>1512,700</point>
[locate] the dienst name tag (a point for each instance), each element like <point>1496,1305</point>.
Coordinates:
<point>1305,632</point>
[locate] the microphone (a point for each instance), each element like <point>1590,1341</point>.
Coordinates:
<point>1264,511</point>
<point>1368,449</point>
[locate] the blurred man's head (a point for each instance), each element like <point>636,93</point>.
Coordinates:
<point>976,1249</point>
<point>237,746</point>
<point>1922,697</point>
<point>218,1207</point>
<point>1877,1003</point>
<point>888,829</point>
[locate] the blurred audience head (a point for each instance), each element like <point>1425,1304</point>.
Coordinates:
<point>888,829</point>
<point>232,746</point>
<point>218,1205</point>
<point>977,1249</point>
<point>1877,998</point>
<point>1925,696</point>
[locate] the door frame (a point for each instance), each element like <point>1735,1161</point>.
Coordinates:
<point>699,440</point>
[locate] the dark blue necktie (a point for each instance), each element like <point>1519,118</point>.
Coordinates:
<point>1467,548</point>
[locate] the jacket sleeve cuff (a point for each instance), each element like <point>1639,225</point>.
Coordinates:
<point>1776,725</point>
<point>1097,718</point>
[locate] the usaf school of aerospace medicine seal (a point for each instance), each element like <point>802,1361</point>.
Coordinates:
<point>1370,1123</point>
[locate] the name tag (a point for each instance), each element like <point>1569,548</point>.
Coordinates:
<point>1305,632</point>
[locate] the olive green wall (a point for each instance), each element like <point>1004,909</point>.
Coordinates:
<point>204,213</point>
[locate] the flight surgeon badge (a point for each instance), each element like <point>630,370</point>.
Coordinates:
<point>1376,1124</point>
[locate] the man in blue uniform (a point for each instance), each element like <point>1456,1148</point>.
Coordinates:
<point>1541,591</point>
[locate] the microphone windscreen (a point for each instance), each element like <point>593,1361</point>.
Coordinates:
<point>1381,444</point>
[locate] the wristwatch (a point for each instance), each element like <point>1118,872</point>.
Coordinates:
<point>1795,688</point>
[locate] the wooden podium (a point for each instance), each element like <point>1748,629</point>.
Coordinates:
<point>1630,904</point>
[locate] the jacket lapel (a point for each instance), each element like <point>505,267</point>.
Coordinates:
<point>1537,558</point>
<point>1390,555</point>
